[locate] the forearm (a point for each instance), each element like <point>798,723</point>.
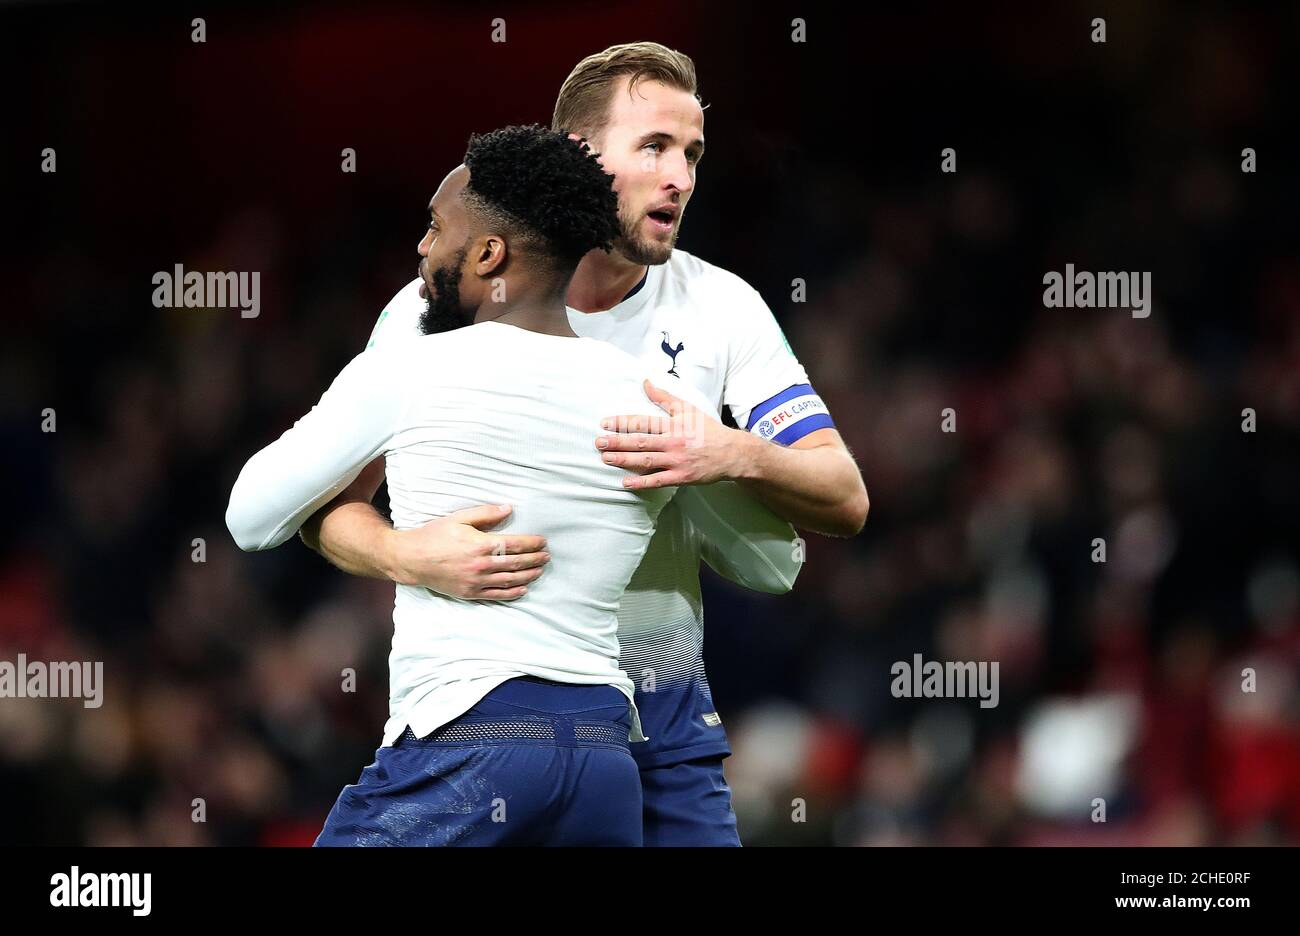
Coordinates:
<point>350,533</point>
<point>449,555</point>
<point>816,488</point>
<point>353,537</point>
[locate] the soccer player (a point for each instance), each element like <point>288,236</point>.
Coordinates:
<point>697,326</point>
<point>510,721</point>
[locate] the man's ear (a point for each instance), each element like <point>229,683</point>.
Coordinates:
<point>490,256</point>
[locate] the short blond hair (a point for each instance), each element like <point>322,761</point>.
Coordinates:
<point>584,102</point>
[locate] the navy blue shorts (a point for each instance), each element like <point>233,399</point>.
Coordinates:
<point>506,772</point>
<point>688,804</point>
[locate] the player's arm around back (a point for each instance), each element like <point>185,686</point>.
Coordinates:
<point>814,482</point>
<point>787,452</point>
<point>452,555</point>
<point>786,449</point>
<point>811,481</point>
<point>741,539</point>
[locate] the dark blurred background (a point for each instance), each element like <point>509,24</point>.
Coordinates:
<point>1120,681</point>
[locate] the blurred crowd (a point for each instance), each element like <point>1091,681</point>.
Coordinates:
<point>1124,715</point>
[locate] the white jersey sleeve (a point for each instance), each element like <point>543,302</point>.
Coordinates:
<point>742,540</point>
<point>766,388</point>
<point>289,480</point>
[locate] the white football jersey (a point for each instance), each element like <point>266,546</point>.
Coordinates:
<point>490,413</point>
<point>696,326</point>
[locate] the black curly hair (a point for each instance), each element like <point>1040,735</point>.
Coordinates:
<point>545,189</point>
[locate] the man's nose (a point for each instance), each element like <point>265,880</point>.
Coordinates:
<point>678,174</point>
<point>422,248</point>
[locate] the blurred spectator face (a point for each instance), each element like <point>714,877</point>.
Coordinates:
<point>652,141</point>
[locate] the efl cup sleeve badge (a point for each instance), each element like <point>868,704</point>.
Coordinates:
<point>790,415</point>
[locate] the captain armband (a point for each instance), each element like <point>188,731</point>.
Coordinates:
<point>790,415</point>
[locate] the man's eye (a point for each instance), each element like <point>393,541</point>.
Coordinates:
<point>656,145</point>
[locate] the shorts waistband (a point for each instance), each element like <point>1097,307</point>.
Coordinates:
<point>557,730</point>
<point>527,710</point>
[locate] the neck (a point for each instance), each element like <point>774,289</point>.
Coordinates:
<point>532,305</point>
<point>602,280</point>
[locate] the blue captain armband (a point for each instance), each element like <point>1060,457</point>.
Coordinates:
<point>790,415</point>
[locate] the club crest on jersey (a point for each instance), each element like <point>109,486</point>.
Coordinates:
<point>672,352</point>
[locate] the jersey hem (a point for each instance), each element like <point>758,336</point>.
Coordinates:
<point>681,755</point>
